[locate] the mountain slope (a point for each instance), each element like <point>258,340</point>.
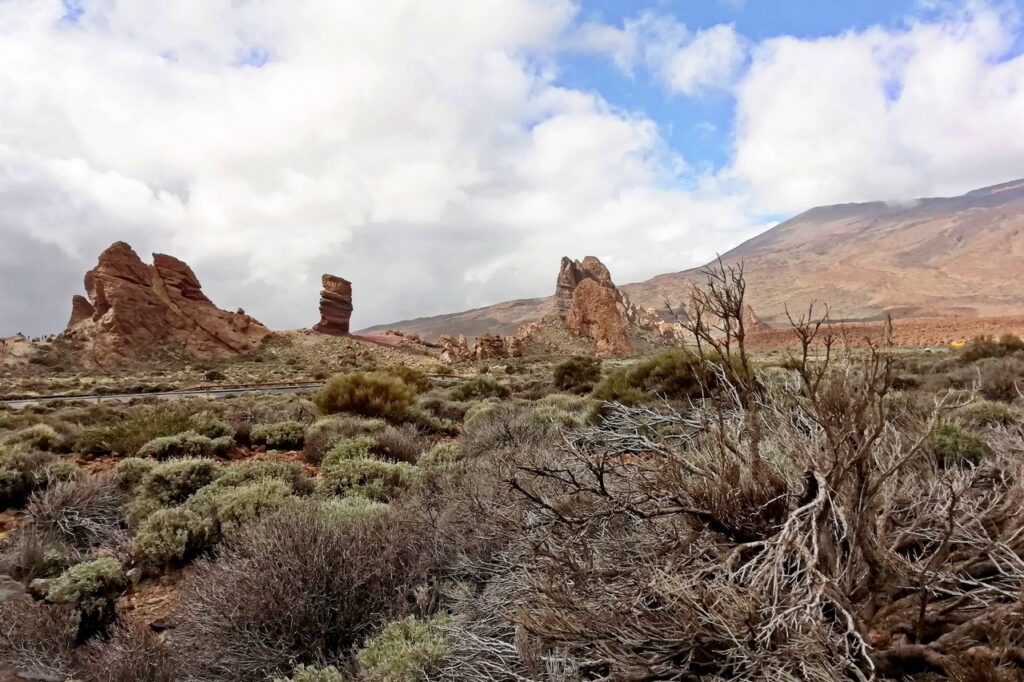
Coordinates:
<point>931,258</point>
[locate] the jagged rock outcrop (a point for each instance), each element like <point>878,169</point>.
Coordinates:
<point>751,322</point>
<point>335,306</point>
<point>454,349</point>
<point>595,313</point>
<point>487,346</point>
<point>136,307</point>
<point>572,273</point>
<point>81,310</point>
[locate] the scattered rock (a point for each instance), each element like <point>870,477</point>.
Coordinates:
<point>335,306</point>
<point>136,307</point>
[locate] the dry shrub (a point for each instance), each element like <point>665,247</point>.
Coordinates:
<point>505,427</point>
<point>325,432</point>
<point>297,587</point>
<point>478,388</point>
<point>130,653</point>
<point>416,379</point>
<point>38,639</point>
<point>578,374</point>
<point>1000,379</point>
<point>401,444</point>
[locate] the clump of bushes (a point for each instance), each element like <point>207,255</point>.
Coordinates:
<point>322,435</point>
<point>999,379</point>
<point>186,444</point>
<point>35,437</point>
<point>173,535</point>
<point>20,474</point>
<point>981,347</point>
<point>407,650</point>
<point>305,673</point>
<point>478,388</point>
<point>171,483</point>
<point>280,436</point>
<point>416,379</point>
<point>674,375</point>
<point>232,506</point>
<point>401,444</point>
<point>447,452</point>
<point>578,374</point>
<point>371,394</point>
<point>954,446</point>
<point>351,469</point>
<point>130,471</point>
<point>91,586</point>
<point>505,427</point>
<point>988,413</point>
<point>126,435</point>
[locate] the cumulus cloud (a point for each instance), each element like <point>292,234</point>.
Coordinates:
<point>682,61</point>
<point>933,107</point>
<point>423,150</point>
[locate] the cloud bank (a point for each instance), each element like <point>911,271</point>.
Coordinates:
<point>431,152</point>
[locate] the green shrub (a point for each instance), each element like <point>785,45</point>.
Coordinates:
<point>1011,343</point>
<point>988,413</point>
<point>20,474</point>
<point>981,347</point>
<point>280,436</point>
<point>563,410</point>
<point>171,483</point>
<point>233,506</point>
<point>89,585</point>
<point>310,674</point>
<point>210,426</point>
<point>60,471</point>
<point>292,474</point>
<point>407,650</point>
<point>35,437</point>
<point>416,379</point>
<point>186,444</point>
<point>953,446</point>
<point>450,410</point>
<point>173,535</point>
<point>324,433</point>
<point>479,410</point>
<point>130,471</point>
<point>125,436</point>
<point>369,478</point>
<point>362,447</point>
<point>674,375</point>
<point>371,394</point>
<point>478,388</point>
<point>447,452</point>
<point>347,509</point>
<point>578,374</point>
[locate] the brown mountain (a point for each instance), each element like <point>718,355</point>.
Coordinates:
<point>934,257</point>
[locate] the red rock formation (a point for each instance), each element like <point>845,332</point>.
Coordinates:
<point>136,307</point>
<point>591,305</point>
<point>81,310</point>
<point>751,322</point>
<point>487,346</point>
<point>595,314</point>
<point>454,350</point>
<point>335,306</point>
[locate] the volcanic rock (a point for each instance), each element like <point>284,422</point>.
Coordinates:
<point>335,306</point>
<point>595,313</point>
<point>487,346</point>
<point>81,310</point>
<point>454,349</point>
<point>137,307</point>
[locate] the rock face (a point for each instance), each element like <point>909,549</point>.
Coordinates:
<point>335,306</point>
<point>454,349</point>
<point>485,347</point>
<point>592,307</point>
<point>81,310</point>
<point>134,307</point>
<point>595,313</point>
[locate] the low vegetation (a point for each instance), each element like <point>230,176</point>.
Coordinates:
<point>696,514</point>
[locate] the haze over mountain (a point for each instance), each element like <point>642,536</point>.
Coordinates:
<point>931,257</point>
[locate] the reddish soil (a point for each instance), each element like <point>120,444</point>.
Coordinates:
<point>925,331</point>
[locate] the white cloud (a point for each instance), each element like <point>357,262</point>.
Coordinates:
<point>930,108</point>
<point>398,143</point>
<point>682,61</point>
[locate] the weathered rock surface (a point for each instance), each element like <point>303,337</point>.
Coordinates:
<point>81,310</point>
<point>595,313</point>
<point>335,306</point>
<point>487,346</point>
<point>454,349</point>
<point>137,307</point>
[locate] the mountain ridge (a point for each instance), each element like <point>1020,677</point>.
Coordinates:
<point>930,257</point>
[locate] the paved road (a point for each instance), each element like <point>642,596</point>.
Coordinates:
<point>167,395</point>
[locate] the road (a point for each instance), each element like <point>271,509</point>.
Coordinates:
<point>212,392</point>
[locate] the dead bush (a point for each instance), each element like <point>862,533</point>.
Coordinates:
<point>38,639</point>
<point>130,653</point>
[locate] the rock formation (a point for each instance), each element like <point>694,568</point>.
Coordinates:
<point>454,349</point>
<point>335,306</point>
<point>134,307</point>
<point>595,314</point>
<point>81,310</point>
<point>485,347</point>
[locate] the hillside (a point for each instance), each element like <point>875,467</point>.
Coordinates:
<point>936,257</point>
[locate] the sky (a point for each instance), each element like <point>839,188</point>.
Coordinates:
<point>445,155</point>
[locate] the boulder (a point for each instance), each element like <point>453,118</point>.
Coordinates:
<point>335,306</point>
<point>454,350</point>
<point>137,307</point>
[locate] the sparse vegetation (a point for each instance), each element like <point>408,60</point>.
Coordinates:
<point>370,394</point>
<point>578,374</point>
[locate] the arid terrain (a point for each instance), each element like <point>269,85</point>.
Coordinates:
<point>952,257</point>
